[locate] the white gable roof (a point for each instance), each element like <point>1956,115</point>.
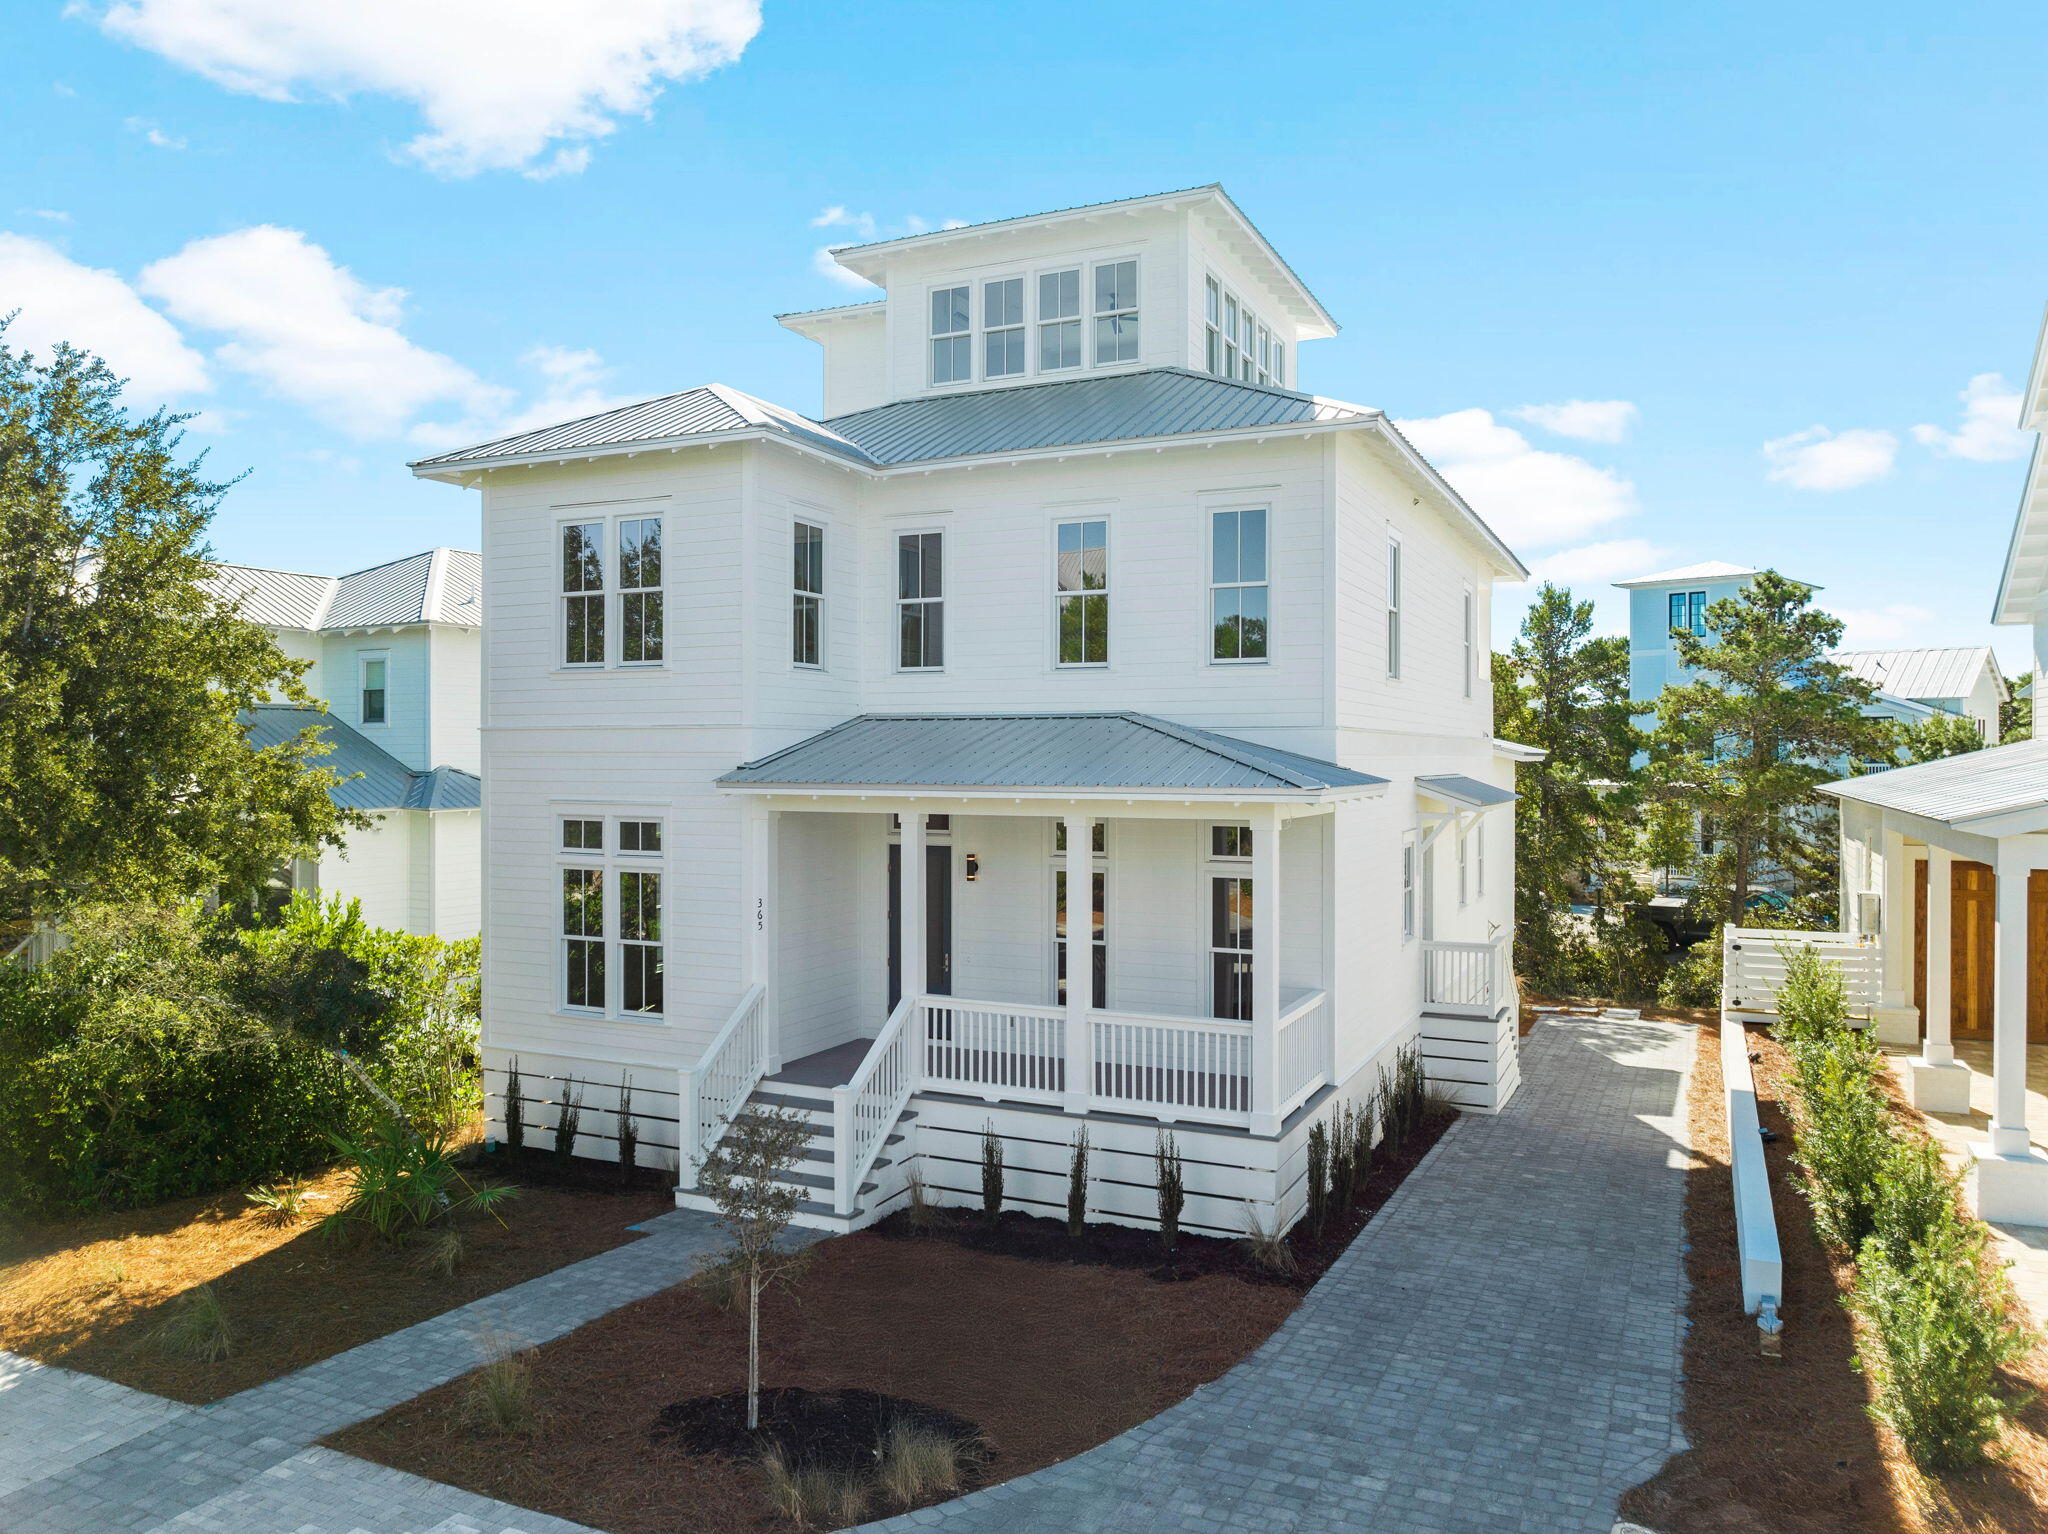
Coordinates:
<point>1949,673</point>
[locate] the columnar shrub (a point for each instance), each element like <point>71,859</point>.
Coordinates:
<point>515,1112</point>
<point>1843,1134</point>
<point>991,1173</point>
<point>1172,1194</point>
<point>1318,1176</point>
<point>568,1121</point>
<point>629,1132</point>
<point>1813,1000</point>
<point>1077,1184</point>
<point>1344,1158</point>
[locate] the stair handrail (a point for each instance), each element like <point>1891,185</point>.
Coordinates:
<point>866,1108</point>
<point>705,1129</point>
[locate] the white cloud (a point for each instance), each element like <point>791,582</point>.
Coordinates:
<point>1819,459</point>
<point>49,215</point>
<point>499,83</point>
<point>1598,564</point>
<point>96,311</point>
<point>308,329</point>
<point>866,227</point>
<point>1590,420</point>
<point>1879,628</point>
<point>151,133</point>
<point>1989,433</point>
<point>570,389</point>
<point>825,266</point>
<point>836,217</point>
<point>1529,496</point>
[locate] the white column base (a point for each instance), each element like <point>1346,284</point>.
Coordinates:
<point>1897,1025</point>
<point>1937,1088</point>
<point>2010,1189</point>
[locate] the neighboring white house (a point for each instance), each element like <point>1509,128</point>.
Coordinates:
<point>395,652</point>
<point>1945,866</point>
<point>798,733</point>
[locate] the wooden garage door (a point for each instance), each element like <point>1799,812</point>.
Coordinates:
<point>2037,957</point>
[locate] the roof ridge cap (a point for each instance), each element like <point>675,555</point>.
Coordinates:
<point>1210,741</point>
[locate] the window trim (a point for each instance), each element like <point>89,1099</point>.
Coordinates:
<point>1694,613</point>
<point>1395,575</point>
<point>932,335</point>
<point>620,591</point>
<point>610,597</point>
<point>1410,883</point>
<point>804,516</point>
<point>1471,635</point>
<point>610,861</point>
<point>364,660</point>
<point>1022,328</point>
<point>1464,870</point>
<point>1134,311</point>
<point>1210,512</point>
<point>1107,590</point>
<point>902,602</point>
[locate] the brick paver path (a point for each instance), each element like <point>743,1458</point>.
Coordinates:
<point>1497,1354</point>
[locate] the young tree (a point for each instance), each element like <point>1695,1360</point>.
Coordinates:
<point>1564,689</point>
<point>742,1178</point>
<point>1943,735</point>
<point>1770,717</point>
<point>2016,713</point>
<point>124,773</point>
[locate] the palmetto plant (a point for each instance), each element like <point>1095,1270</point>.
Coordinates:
<point>401,1181</point>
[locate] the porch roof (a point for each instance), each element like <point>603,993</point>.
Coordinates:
<point>1962,791</point>
<point>1456,788</point>
<point>1098,752</point>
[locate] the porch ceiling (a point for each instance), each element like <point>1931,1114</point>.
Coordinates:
<point>1043,756</point>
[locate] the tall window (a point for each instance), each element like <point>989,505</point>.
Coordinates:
<point>1002,319</point>
<point>807,596</point>
<point>1237,584</point>
<point>920,602</point>
<point>1116,312</point>
<point>1098,945</point>
<point>1479,859</point>
<point>1081,582</point>
<point>1279,363</point>
<point>1230,947</point>
<point>1464,870</point>
<point>1393,607</point>
<point>952,338</point>
<point>1689,611</point>
<point>640,590</point>
<point>1408,886</point>
<point>1059,320</point>
<point>1212,317</point>
<point>611,915</point>
<point>583,594</point>
<point>1247,346</point>
<point>1229,368</point>
<point>1471,632</point>
<point>374,669</point>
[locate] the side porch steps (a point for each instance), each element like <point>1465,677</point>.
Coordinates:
<point>813,1174</point>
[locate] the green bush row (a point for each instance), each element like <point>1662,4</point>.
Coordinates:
<point>1936,1316</point>
<point>167,1053</point>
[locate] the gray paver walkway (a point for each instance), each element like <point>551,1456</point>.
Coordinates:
<point>1498,1353</point>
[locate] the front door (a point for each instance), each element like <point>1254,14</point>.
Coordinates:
<point>2037,957</point>
<point>938,922</point>
<point>1973,893</point>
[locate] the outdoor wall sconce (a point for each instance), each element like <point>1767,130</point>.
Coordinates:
<point>973,866</point>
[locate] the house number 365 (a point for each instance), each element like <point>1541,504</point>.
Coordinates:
<point>760,915</point>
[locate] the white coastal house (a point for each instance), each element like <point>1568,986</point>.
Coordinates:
<point>803,738</point>
<point>1945,868</point>
<point>395,653</point>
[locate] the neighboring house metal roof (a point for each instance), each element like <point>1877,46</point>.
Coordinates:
<point>439,586</point>
<point>1455,788</point>
<point>1094,751</point>
<point>1158,402</point>
<point>1958,789</point>
<point>1706,570</point>
<point>375,779</point>
<point>1946,673</point>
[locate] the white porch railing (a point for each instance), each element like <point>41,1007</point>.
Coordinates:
<point>724,1076</point>
<point>1304,1049</point>
<point>1172,1067</point>
<point>1470,979</point>
<point>867,1107</point>
<point>995,1049</point>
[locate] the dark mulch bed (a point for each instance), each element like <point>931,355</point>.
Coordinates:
<point>538,1167</point>
<point>1786,1445</point>
<point>830,1429</point>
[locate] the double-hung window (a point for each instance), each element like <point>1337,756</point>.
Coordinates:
<point>1479,860</point>
<point>1229,368</point>
<point>639,590</point>
<point>1408,857</point>
<point>1002,321</point>
<point>1059,320</point>
<point>373,706</point>
<point>1471,634</point>
<point>920,601</point>
<point>1238,592</point>
<point>1081,593</point>
<point>952,336</point>
<point>611,885</point>
<point>1237,343</point>
<point>1464,870</point>
<point>807,596</point>
<point>583,594</point>
<point>1689,611</point>
<point>1212,321</point>
<point>1230,946</point>
<point>1116,312</point>
<point>1394,607</point>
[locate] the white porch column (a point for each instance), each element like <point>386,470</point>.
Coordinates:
<point>1934,1081</point>
<point>1266,973</point>
<point>1897,1020</point>
<point>2010,1177</point>
<point>757,904</point>
<point>910,914</point>
<point>1080,866</point>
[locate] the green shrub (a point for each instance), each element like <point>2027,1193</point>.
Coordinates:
<point>1812,1001</point>
<point>401,1181</point>
<point>1077,1185</point>
<point>195,1326</point>
<point>1939,1329</point>
<point>991,1173</point>
<point>1318,1176</point>
<point>1916,1194</point>
<point>1843,1135</point>
<point>1172,1191</point>
<point>1695,980</point>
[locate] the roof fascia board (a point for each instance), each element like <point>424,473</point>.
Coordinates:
<point>2034,403</point>
<point>1515,751</point>
<point>2032,817</point>
<point>1061,795</point>
<point>2033,493</point>
<point>455,473</point>
<point>1460,509</point>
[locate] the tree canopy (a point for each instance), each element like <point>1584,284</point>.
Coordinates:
<point>124,770</point>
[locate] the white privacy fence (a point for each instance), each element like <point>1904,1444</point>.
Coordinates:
<point>1753,967</point>
<point>1468,978</point>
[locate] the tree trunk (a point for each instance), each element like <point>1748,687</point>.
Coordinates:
<point>1738,897</point>
<point>753,1349</point>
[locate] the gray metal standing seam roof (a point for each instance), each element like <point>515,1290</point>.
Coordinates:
<point>1086,750</point>
<point>400,591</point>
<point>376,780</point>
<point>1957,789</point>
<point>1463,790</point>
<point>1944,673</point>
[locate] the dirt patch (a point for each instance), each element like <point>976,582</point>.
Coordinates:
<point>1048,1359</point>
<point>831,1429</point>
<point>86,1292</point>
<point>1786,1445</point>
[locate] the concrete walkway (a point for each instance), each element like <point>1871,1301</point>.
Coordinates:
<point>1498,1352</point>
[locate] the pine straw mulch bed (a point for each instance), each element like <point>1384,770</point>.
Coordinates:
<point>85,1292</point>
<point>1785,1445</point>
<point>1047,1346</point>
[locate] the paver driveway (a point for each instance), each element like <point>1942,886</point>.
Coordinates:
<point>1498,1352</point>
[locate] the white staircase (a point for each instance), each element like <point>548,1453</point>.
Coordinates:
<point>878,1193</point>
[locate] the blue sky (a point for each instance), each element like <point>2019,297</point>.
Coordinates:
<point>347,235</point>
